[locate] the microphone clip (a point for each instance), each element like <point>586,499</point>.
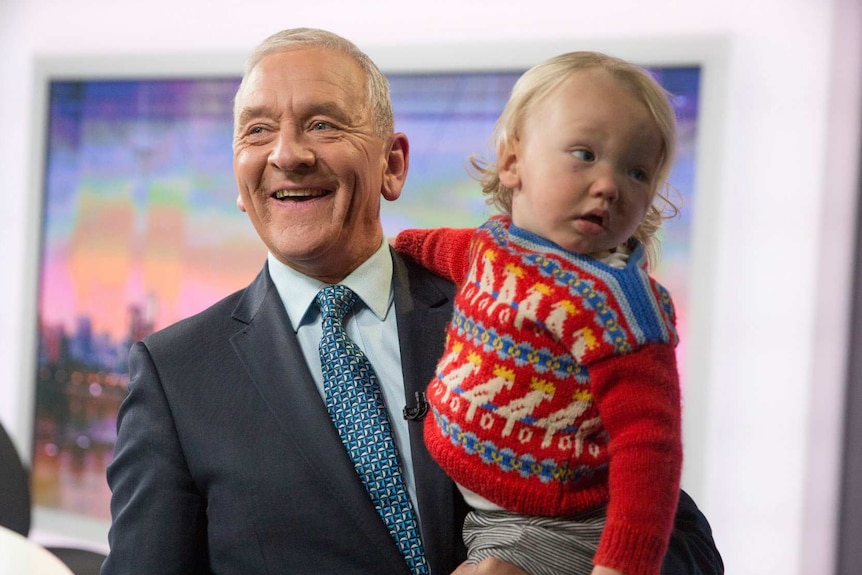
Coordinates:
<point>418,411</point>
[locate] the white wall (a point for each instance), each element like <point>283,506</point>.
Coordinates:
<point>773,276</point>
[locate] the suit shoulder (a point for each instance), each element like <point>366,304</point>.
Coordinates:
<point>216,321</point>
<point>417,277</point>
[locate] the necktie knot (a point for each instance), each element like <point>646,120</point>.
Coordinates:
<point>335,301</point>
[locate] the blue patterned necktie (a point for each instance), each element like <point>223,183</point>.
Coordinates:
<point>356,407</point>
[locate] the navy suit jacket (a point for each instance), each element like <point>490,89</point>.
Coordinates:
<point>226,460</point>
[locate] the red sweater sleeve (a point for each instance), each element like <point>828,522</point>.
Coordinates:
<point>444,251</point>
<point>639,402</point>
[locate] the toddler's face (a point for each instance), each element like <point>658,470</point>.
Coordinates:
<point>584,165</point>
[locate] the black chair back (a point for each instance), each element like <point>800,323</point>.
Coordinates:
<point>15,512</point>
<point>80,561</point>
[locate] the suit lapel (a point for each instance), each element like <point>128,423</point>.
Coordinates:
<point>423,303</point>
<point>283,380</point>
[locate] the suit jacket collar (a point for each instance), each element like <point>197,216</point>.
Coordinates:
<point>423,303</point>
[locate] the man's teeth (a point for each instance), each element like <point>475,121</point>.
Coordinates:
<point>282,194</point>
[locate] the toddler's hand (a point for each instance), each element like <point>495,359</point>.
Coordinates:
<point>490,566</point>
<point>600,570</point>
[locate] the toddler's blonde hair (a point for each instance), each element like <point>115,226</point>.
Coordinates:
<point>541,80</point>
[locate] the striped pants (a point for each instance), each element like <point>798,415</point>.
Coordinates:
<point>538,545</point>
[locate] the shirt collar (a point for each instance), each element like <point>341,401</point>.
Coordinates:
<point>371,281</point>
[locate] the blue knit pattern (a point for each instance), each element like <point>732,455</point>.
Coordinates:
<point>645,305</point>
<point>356,406</point>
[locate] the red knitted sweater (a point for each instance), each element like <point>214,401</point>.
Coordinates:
<point>558,391</point>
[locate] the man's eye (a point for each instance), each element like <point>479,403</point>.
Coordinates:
<point>584,155</point>
<point>321,125</point>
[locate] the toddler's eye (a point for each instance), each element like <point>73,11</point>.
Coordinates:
<point>639,174</point>
<point>584,155</point>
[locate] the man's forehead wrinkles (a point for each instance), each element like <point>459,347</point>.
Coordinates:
<point>301,111</point>
<point>272,105</point>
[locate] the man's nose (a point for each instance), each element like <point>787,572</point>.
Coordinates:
<point>292,151</point>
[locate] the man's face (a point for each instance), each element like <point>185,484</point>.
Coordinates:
<point>308,164</point>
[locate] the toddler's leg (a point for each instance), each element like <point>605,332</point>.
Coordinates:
<point>538,545</point>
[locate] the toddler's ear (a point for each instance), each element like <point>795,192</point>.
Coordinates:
<point>507,160</point>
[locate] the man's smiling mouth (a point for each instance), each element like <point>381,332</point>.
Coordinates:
<point>299,195</point>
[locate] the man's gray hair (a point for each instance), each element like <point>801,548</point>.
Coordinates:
<point>377,86</point>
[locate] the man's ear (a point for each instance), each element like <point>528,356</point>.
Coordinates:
<point>508,164</point>
<point>239,203</point>
<point>397,163</point>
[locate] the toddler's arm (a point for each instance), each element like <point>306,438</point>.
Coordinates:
<point>444,251</point>
<point>639,403</point>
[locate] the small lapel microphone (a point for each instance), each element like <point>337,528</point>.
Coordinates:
<point>418,411</point>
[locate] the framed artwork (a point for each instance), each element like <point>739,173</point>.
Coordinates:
<point>139,229</point>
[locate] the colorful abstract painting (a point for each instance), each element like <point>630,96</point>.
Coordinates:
<point>140,229</point>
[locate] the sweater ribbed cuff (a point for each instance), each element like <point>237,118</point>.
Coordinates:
<point>631,551</point>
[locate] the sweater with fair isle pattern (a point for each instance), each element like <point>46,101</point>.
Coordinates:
<point>558,390</point>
